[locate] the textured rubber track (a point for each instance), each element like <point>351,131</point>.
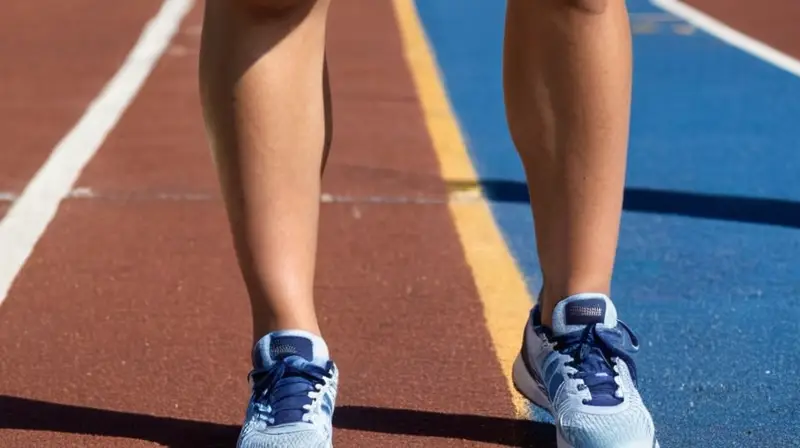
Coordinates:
<point>54,58</point>
<point>773,22</point>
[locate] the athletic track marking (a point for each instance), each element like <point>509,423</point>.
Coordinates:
<point>729,35</point>
<point>30,214</point>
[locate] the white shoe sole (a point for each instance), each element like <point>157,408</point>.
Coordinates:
<point>529,388</point>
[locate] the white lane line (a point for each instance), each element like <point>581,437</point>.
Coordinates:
<point>465,196</point>
<point>31,213</point>
<point>727,34</point>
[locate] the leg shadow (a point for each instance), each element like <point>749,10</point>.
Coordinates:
<point>475,428</point>
<point>770,211</point>
<point>35,415</point>
<point>23,413</point>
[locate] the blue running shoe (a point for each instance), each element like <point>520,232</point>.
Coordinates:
<point>294,392</point>
<point>582,372</point>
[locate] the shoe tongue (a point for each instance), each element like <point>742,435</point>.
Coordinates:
<point>576,312</point>
<point>282,344</point>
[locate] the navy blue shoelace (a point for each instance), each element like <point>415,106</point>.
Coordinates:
<point>591,350</point>
<point>286,385</point>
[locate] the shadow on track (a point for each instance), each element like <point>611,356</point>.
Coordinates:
<point>26,414</point>
<point>778,212</point>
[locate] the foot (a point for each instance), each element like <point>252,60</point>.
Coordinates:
<point>294,392</point>
<point>582,372</point>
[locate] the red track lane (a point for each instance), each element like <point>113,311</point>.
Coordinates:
<point>129,325</point>
<point>54,58</point>
<point>773,22</point>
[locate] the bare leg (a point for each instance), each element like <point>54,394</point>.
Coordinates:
<point>567,68</point>
<point>266,106</point>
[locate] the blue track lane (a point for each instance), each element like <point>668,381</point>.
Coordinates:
<point>708,270</point>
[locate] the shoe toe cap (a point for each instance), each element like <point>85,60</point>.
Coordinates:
<point>632,428</point>
<point>297,438</point>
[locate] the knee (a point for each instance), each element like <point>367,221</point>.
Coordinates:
<point>280,8</point>
<point>591,6</point>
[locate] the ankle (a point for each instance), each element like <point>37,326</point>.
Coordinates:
<point>265,325</point>
<point>550,297</point>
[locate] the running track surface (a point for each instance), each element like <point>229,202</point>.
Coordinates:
<point>128,324</point>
